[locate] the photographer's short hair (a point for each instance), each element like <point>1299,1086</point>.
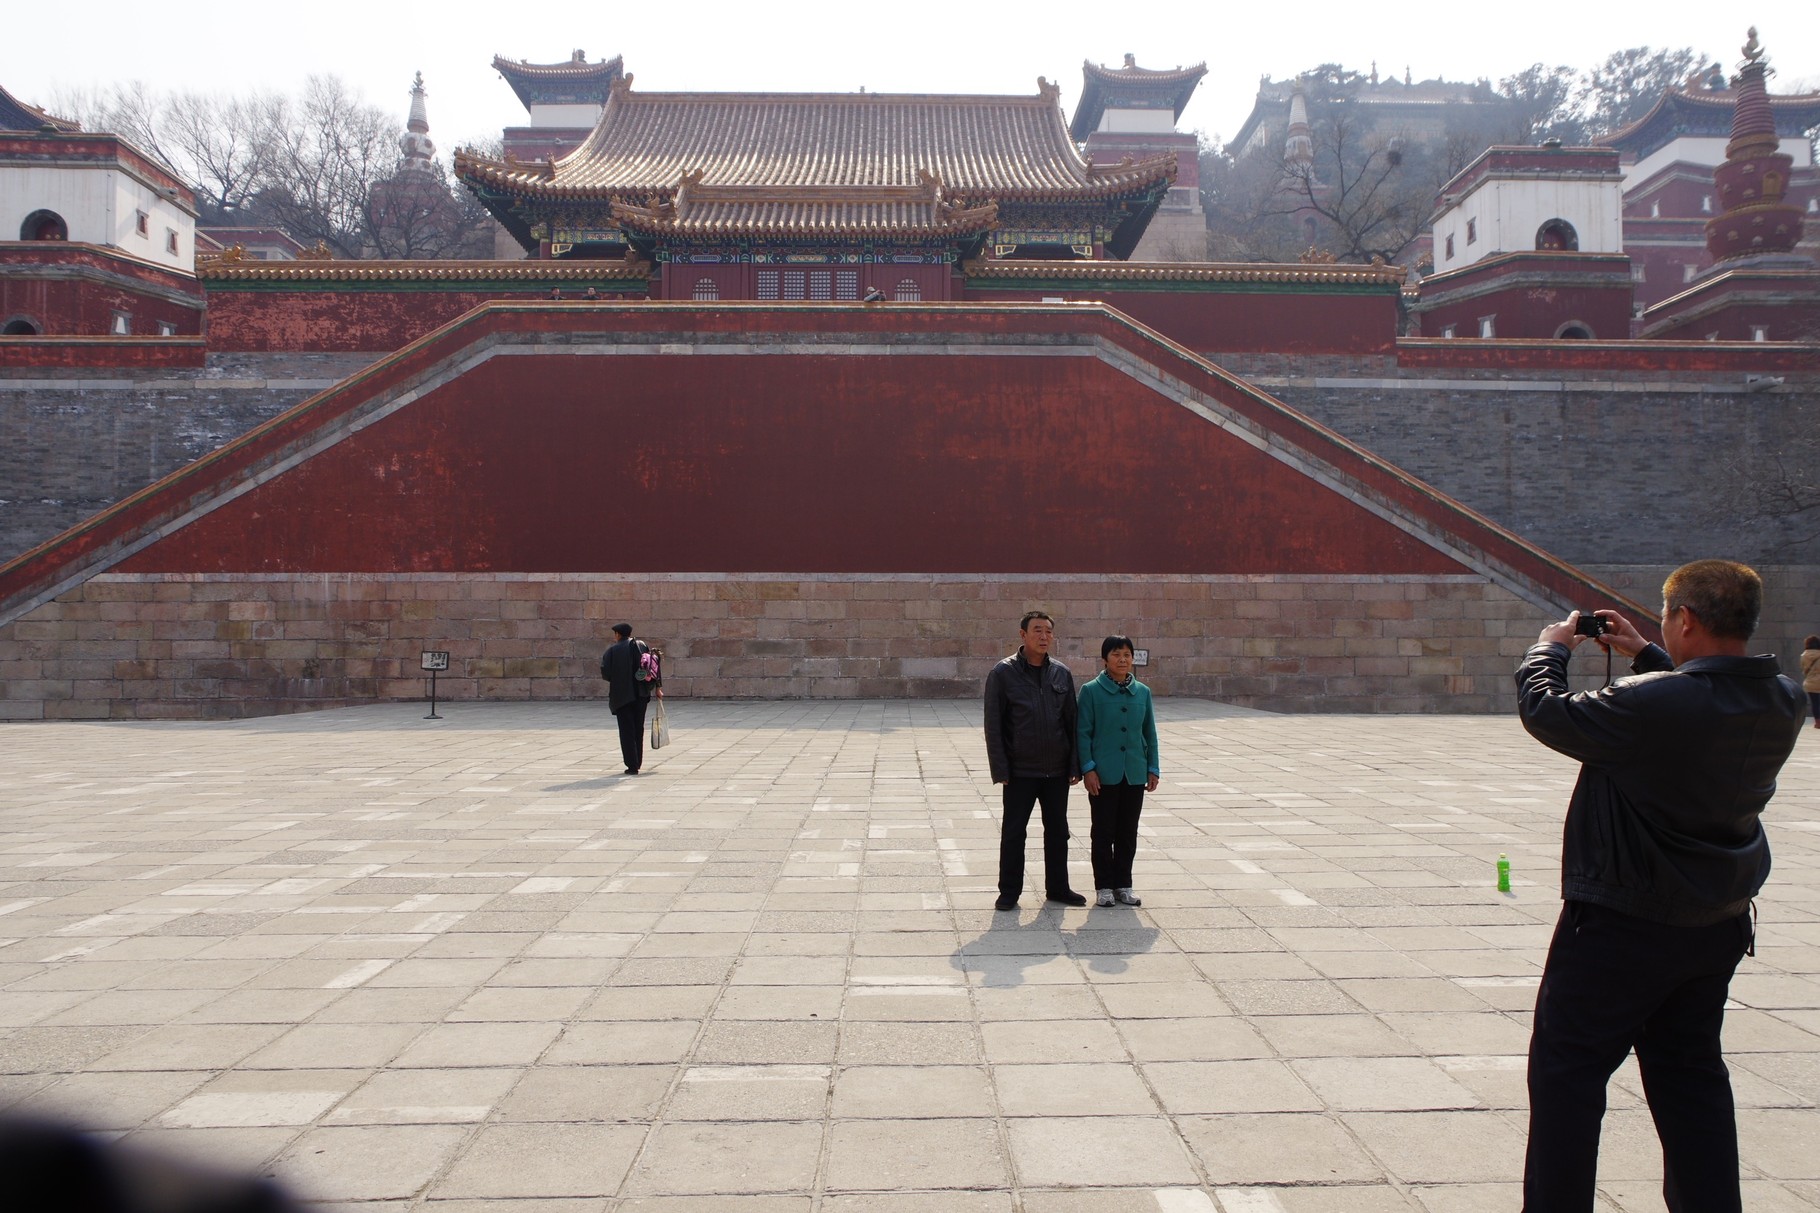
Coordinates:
<point>1724,595</point>
<point>1023,625</point>
<point>1111,643</point>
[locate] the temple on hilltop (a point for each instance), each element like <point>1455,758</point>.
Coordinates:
<point>1131,111</point>
<point>1422,110</point>
<point>1669,156</point>
<point>822,195</point>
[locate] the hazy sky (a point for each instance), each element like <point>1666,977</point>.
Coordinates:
<point>818,45</point>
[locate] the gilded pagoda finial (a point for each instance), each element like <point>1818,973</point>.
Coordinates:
<point>1753,50</point>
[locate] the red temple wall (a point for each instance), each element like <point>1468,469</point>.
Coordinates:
<point>838,464</point>
<point>370,318</point>
<point>1239,322</point>
<point>1739,317</point>
<point>75,289</point>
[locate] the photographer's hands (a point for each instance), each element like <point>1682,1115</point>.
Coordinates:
<point>1620,635</point>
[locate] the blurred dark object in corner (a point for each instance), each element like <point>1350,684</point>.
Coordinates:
<point>51,1168</point>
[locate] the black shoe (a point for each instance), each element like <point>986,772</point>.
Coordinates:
<point>1005,903</point>
<point>631,770</point>
<point>1068,897</point>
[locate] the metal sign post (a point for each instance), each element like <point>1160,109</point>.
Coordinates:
<point>434,660</point>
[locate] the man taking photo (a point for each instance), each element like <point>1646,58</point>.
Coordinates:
<point>1662,852</point>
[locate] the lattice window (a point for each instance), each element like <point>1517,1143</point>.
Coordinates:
<point>909,290</point>
<point>792,284</point>
<point>846,284</point>
<point>767,284</point>
<point>707,288</point>
<point>821,284</point>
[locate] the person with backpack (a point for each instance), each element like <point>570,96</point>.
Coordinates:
<point>633,675</point>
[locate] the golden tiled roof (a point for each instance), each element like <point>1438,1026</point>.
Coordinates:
<point>530,272</point>
<point>703,211</point>
<point>1186,271</point>
<point>982,148</point>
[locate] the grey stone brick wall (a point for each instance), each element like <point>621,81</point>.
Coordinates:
<point>1633,468</point>
<point>74,442</point>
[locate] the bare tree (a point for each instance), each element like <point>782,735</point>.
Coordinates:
<point>330,153</point>
<point>227,146</point>
<point>416,214</point>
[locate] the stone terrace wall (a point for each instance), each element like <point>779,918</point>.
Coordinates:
<point>1629,467</point>
<point>186,646</point>
<point>73,442</point>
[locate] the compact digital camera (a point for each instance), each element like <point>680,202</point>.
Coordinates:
<point>1590,624</point>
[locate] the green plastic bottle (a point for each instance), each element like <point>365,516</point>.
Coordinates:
<point>1503,873</point>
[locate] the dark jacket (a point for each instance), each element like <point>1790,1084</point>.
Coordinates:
<point>1676,766</point>
<point>619,665</point>
<point>1030,720</point>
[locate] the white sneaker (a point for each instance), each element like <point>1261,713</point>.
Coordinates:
<point>1104,898</point>
<point>1127,898</point>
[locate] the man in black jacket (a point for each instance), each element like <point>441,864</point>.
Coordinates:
<point>1662,852</point>
<point>628,693</point>
<point>1030,746</point>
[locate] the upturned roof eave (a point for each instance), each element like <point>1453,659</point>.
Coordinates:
<point>1181,81</point>
<point>1795,106</point>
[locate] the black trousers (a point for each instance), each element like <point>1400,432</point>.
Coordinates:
<point>1021,795</point>
<point>632,733</point>
<point>1115,824</point>
<point>1613,983</point>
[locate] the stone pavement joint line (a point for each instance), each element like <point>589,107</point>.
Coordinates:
<point>465,964</point>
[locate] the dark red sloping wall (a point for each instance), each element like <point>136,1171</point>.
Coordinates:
<point>801,462</point>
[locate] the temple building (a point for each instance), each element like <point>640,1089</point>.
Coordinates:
<point>97,237</point>
<point>1669,156</point>
<point>1529,243</point>
<point>822,195</point>
<point>1131,111</point>
<point>564,101</point>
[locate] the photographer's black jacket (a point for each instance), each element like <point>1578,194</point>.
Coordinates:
<point>1030,716</point>
<point>1677,765</point>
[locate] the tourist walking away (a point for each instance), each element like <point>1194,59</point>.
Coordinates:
<point>1115,733</point>
<point>1662,852</point>
<point>1030,738</point>
<point>1810,677</point>
<point>633,676</point>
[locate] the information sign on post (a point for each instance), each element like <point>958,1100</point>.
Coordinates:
<point>435,661</point>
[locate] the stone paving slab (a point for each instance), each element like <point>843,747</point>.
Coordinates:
<point>465,965</point>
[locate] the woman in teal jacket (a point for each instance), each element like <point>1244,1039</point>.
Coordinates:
<point>1116,730</point>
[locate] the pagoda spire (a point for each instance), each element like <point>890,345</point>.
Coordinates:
<point>419,151</point>
<point>1298,149</point>
<point>1755,217</point>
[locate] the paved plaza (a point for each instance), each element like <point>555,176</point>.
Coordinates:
<point>465,964</point>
